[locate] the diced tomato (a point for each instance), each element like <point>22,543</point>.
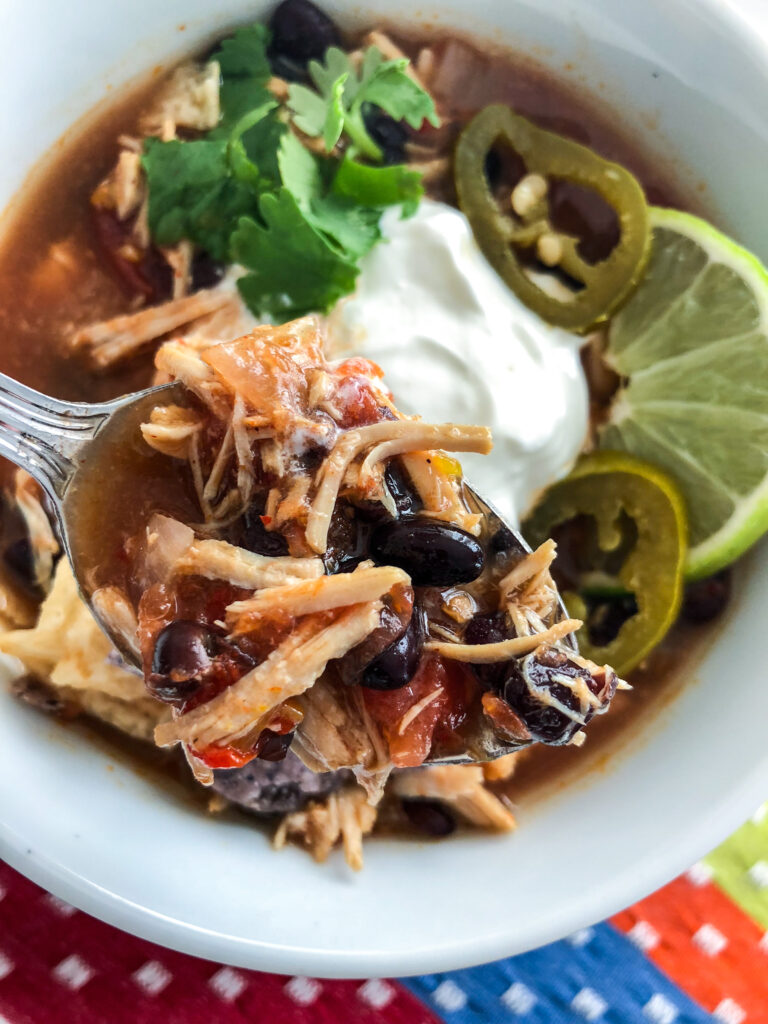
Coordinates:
<point>357,366</point>
<point>356,398</point>
<point>224,757</point>
<point>358,402</point>
<point>438,721</point>
<point>191,597</point>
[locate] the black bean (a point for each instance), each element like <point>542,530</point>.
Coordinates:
<point>407,502</point>
<point>184,652</point>
<point>546,724</point>
<point>388,134</point>
<point>489,629</point>
<point>405,499</point>
<point>273,746</point>
<point>347,540</point>
<point>301,31</point>
<point>288,68</point>
<point>183,648</point>
<point>705,599</point>
<point>206,271</point>
<point>393,622</point>
<point>486,629</point>
<point>433,553</point>
<point>257,538</point>
<point>429,817</point>
<point>397,664</point>
<point>530,681</point>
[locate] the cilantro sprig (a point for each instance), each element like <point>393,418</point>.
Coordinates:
<point>250,192</point>
<point>337,104</point>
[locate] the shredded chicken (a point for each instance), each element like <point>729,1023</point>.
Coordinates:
<point>317,595</point>
<point>17,610</point>
<point>216,476</point>
<point>217,560</point>
<point>460,787</point>
<point>537,561</point>
<point>440,491</point>
<point>344,817</point>
<point>504,650</point>
<point>128,192</point>
<point>179,259</point>
<point>386,439</point>
<point>170,429</point>
<point>337,732</point>
<point>290,670</point>
<point>414,434</point>
<point>178,360</point>
<point>112,340</point>
<point>123,189</point>
<point>190,99</point>
<point>432,170</point>
<point>528,591</point>
<point>68,649</point>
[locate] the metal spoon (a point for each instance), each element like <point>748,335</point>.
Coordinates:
<point>70,447</point>
<point>66,447</point>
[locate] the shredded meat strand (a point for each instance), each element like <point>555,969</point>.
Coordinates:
<point>504,650</point>
<point>290,670</point>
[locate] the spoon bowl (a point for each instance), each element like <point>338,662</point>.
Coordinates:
<point>103,482</point>
<point>73,450</point>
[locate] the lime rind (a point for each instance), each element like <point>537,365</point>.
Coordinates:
<point>698,373</point>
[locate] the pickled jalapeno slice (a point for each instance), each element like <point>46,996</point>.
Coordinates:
<point>600,288</point>
<point>641,538</point>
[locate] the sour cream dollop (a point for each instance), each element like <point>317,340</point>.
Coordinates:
<point>456,345</point>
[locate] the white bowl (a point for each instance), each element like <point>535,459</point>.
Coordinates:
<point>106,839</point>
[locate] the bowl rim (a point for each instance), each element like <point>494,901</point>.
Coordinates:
<point>617,890</point>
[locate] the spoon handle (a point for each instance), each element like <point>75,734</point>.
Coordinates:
<point>44,435</point>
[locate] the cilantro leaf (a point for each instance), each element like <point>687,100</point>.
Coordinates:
<point>336,104</point>
<point>294,268</point>
<point>325,75</point>
<point>251,146</point>
<point>354,228</point>
<point>392,89</point>
<point>249,191</point>
<point>210,219</point>
<point>245,70</point>
<point>351,227</point>
<point>299,171</point>
<point>379,186</point>
<point>237,96</point>
<point>262,143</point>
<point>192,194</point>
<point>334,118</point>
<point>309,109</point>
<point>244,54</point>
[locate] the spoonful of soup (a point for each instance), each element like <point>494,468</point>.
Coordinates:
<point>293,563</point>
